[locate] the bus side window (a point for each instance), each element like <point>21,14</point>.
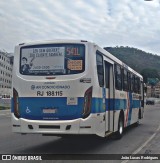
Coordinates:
<point>133,83</point>
<point>100,69</point>
<point>129,81</point>
<point>107,78</point>
<point>125,80</point>
<point>137,85</point>
<point>118,77</point>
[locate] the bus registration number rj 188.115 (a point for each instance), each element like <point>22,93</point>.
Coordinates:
<point>50,93</point>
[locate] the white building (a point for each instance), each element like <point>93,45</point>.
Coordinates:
<point>6,66</point>
<point>157,90</point>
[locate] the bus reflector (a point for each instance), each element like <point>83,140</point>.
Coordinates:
<point>87,103</point>
<point>50,77</point>
<point>15,103</point>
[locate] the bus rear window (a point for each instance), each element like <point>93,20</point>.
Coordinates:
<point>52,59</point>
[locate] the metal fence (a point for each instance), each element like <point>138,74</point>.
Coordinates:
<point>5,103</point>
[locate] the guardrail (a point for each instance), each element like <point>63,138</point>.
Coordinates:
<point>5,103</point>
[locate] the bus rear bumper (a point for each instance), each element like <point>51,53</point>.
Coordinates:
<point>77,126</point>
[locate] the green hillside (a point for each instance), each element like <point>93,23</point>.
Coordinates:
<point>139,60</point>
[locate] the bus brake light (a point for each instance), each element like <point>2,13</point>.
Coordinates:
<point>15,103</point>
<point>87,103</point>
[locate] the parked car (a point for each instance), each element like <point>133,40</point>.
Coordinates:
<point>150,102</point>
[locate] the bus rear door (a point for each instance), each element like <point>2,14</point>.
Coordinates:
<point>109,97</point>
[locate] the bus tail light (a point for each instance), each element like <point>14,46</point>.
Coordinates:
<point>15,104</point>
<point>87,103</point>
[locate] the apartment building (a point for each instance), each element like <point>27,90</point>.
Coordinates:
<point>157,90</point>
<point>6,66</point>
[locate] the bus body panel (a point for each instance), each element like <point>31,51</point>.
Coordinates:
<point>55,104</point>
<point>62,103</point>
<point>87,126</point>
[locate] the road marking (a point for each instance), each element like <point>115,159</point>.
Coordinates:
<point>143,145</point>
<point>8,116</point>
<point>5,114</point>
<point>2,114</point>
<point>5,111</point>
<point>158,128</point>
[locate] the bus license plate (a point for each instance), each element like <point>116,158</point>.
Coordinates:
<point>49,111</point>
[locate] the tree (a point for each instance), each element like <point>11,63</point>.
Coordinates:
<point>149,73</point>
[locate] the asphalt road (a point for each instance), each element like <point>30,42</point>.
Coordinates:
<point>133,139</point>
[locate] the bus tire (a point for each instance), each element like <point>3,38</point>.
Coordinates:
<point>119,133</point>
<point>139,117</point>
<point>136,124</point>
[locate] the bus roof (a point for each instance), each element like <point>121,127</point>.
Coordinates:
<point>53,41</point>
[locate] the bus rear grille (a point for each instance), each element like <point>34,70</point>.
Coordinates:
<point>49,126</point>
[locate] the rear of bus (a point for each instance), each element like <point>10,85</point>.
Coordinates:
<point>52,89</point>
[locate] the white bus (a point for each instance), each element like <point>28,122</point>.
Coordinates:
<point>64,87</point>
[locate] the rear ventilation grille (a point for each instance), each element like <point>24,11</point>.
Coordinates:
<point>49,126</point>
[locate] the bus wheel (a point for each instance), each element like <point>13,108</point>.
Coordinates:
<point>137,124</point>
<point>119,133</point>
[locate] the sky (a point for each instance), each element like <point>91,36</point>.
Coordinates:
<point>108,23</point>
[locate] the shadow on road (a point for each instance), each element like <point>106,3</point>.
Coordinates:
<point>70,145</point>
<point>73,144</point>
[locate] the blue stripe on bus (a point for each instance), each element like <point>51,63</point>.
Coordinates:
<point>32,107</point>
<point>115,104</point>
